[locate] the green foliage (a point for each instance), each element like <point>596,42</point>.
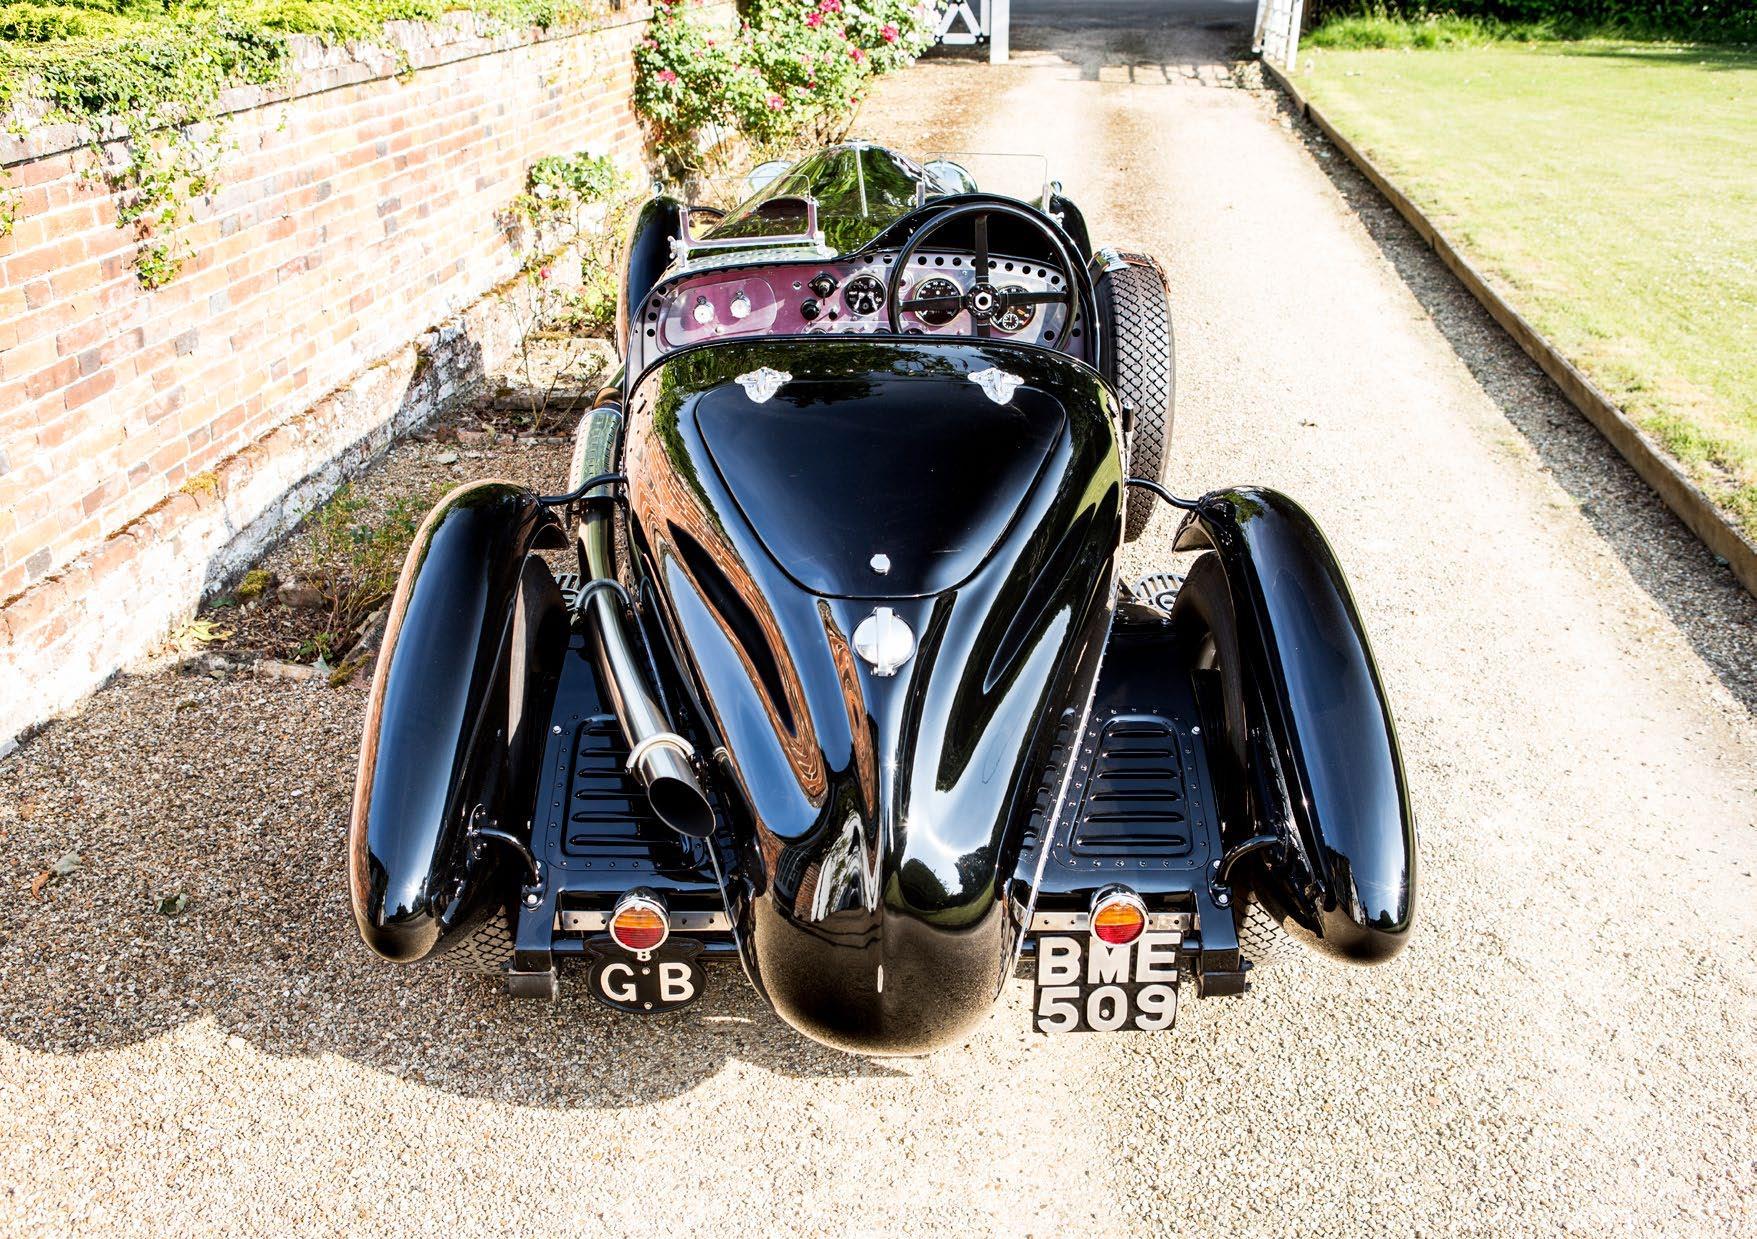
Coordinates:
<point>45,23</point>
<point>792,72</point>
<point>1380,30</point>
<point>558,187</point>
<point>572,203</point>
<point>353,556</point>
<point>153,70</point>
<point>8,202</point>
<point>1370,24</point>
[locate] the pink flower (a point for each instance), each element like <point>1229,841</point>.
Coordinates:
<point>889,33</point>
<point>666,76</point>
<point>814,19</point>
<point>859,54</point>
<point>543,274</point>
<point>649,44</point>
<point>831,6</point>
<point>776,103</point>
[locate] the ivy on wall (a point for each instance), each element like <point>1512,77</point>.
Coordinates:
<point>149,73</point>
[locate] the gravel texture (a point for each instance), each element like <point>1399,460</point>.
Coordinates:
<point>1567,1045</point>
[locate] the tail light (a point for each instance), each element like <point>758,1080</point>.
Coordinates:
<point>640,922</point>
<point>1118,916</point>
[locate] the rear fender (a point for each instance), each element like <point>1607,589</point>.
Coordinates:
<point>454,725</point>
<point>1328,768</point>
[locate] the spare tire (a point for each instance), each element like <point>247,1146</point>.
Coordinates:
<point>486,947</point>
<point>1143,368</point>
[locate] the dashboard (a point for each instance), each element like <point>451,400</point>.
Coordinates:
<point>837,297</point>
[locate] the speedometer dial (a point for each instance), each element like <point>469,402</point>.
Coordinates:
<point>929,290</point>
<point>863,295</point>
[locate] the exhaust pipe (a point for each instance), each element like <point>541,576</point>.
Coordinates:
<point>658,756</point>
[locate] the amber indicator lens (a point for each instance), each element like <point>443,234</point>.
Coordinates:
<point>1118,920</point>
<point>639,926</point>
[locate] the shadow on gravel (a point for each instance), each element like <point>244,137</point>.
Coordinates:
<point>234,794</point>
<point>1700,595</point>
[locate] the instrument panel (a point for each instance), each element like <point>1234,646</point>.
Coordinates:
<point>846,298</point>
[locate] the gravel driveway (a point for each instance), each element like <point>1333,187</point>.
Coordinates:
<point>1568,1044</point>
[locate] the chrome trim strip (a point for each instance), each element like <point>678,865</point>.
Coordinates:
<point>681,922</point>
<point>1061,795</point>
<point>1080,922</point>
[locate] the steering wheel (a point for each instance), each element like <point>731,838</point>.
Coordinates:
<point>984,302</point>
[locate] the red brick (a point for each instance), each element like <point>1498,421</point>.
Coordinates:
<point>90,388</point>
<point>54,378</point>
<point>29,357</point>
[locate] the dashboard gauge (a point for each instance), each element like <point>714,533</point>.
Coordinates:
<point>936,287</point>
<point>864,295</point>
<point>1016,317</point>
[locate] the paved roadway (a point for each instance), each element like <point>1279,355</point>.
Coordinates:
<point>1566,1046</point>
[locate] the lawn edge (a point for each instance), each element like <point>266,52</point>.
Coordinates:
<point>1700,514</point>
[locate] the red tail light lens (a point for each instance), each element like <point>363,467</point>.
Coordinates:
<point>639,922</point>
<point>1118,916</point>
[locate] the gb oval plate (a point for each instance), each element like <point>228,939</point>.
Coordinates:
<point>667,979</point>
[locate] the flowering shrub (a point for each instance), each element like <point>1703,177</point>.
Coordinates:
<point>794,69</point>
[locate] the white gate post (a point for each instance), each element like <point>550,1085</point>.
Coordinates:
<point>1278,23</point>
<point>999,20</point>
<point>1262,22</point>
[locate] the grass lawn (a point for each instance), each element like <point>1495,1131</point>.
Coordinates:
<point>1610,189</point>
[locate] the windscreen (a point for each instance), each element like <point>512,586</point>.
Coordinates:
<point>860,188</point>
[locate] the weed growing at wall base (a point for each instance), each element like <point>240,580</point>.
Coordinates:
<point>572,205</point>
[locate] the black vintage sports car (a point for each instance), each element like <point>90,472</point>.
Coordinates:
<point>846,689</point>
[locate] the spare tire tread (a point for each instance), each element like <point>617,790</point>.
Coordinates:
<point>1144,370</point>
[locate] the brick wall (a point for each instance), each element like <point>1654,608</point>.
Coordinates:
<point>144,433</point>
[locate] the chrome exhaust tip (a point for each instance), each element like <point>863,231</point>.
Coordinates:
<point>662,763</point>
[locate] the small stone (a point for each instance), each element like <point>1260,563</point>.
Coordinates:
<point>299,596</point>
<point>446,458</point>
<point>214,665</point>
<point>275,669</point>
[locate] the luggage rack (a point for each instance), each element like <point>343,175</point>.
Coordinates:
<point>596,830</point>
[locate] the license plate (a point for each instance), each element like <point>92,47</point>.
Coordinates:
<point>668,978</point>
<point>1086,985</point>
